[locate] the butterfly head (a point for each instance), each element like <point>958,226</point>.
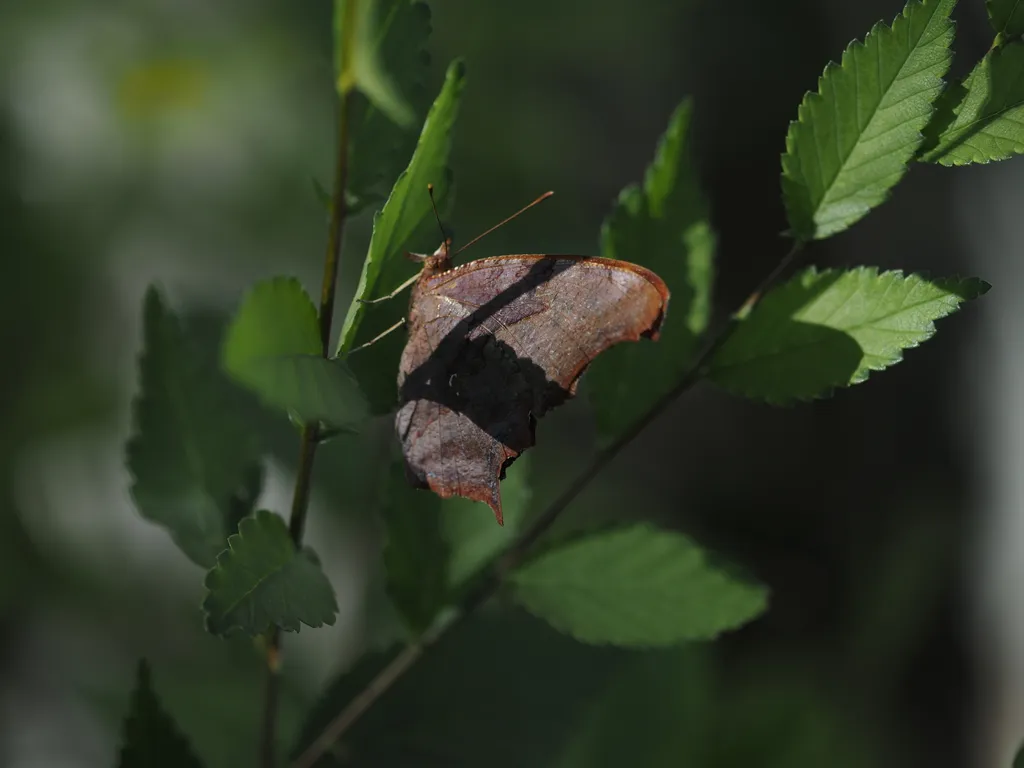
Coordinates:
<point>437,262</point>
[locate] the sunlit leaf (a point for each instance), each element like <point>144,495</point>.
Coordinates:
<point>635,586</point>
<point>261,580</point>
<point>662,225</point>
<point>408,206</point>
<point>830,329</point>
<point>982,118</point>
<point>853,138</point>
<point>193,455</point>
<point>273,347</point>
<point>151,737</point>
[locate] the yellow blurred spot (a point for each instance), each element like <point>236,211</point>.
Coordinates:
<point>161,86</point>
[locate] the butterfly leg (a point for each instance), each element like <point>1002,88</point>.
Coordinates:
<point>394,293</point>
<point>379,336</point>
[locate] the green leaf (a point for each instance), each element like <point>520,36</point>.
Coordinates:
<point>1018,760</point>
<point>853,138</point>
<point>635,586</point>
<point>657,712</point>
<point>151,737</point>
<point>498,691</point>
<point>273,347</point>
<point>379,147</point>
<point>982,118</point>
<point>778,713</point>
<point>1007,17</point>
<point>193,455</point>
<point>358,59</point>
<point>408,206</point>
<point>415,554</point>
<point>261,580</point>
<point>663,226</point>
<point>469,528</point>
<point>830,329</point>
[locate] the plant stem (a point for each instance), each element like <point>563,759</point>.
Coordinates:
<point>310,434</point>
<point>493,575</point>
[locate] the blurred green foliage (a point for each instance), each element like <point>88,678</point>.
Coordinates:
<point>179,145</point>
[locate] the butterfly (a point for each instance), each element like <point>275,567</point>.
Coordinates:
<point>496,343</point>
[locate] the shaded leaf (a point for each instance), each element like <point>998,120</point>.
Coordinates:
<point>1007,17</point>
<point>779,714</point>
<point>981,119</point>
<point>151,737</point>
<point>853,138</point>
<point>664,226</point>
<point>1018,760</point>
<point>502,691</point>
<point>656,712</point>
<point>830,329</point>
<point>380,147</point>
<point>408,206</point>
<point>469,528</point>
<point>273,347</point>
<point>359,28</point>
<point>415,553</point>
<point>261,580</point>
<point>635,586</point>
<point>193,453</point>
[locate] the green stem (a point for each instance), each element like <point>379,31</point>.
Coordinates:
<point>493,575</point>
<point>310,435</point>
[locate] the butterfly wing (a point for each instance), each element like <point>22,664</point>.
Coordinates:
<point>496,343</point>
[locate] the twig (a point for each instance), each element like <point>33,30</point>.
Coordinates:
<point>310,435</point>
<point>492,577</point>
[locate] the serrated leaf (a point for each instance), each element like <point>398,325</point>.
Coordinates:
<point>408,205</point>
<point>537,682</point>
<point>359,28</point>
<point>1007,17</point>
<point>261,581</point>
<point>151,737</point>
<point>830,329</point>
<point>636,586</point>
<point>472,535</point>
<point>273,347</point>
<point>663,226</point>
<point>852,139</point>
<point>380,148</point>
<point>982,118</point>
<point>193,453</point>
<point>415,553</point>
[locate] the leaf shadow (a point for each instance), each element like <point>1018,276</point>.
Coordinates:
<point>1003,81</point>
<point>814,360</point>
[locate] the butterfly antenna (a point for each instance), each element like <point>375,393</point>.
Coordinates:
<point>545,196</point>
<point>437,216</point>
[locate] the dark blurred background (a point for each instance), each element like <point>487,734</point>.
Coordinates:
<point>175,141</point>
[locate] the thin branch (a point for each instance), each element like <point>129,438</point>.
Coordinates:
<point>357,706</point>
<point>310,435</point>
<point>492,577</point>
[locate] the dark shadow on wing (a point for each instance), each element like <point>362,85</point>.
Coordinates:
<point>485,379</point>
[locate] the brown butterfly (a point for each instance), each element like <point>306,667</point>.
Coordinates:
<point>496,343</point>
